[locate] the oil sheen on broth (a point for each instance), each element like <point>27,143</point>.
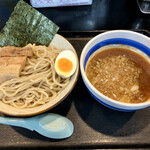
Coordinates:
<point>120,74</point>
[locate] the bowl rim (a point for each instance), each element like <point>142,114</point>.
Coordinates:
<point>93,89</point>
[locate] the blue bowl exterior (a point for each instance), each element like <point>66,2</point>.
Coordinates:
<point>124,41</point>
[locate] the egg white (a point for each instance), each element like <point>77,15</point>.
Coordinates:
<point>68,54</point>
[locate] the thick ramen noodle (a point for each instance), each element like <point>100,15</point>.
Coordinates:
<point>120,74</point>
<point>38,82</point>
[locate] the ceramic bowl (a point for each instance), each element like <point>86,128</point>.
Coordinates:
<point>130,38</point>
<point>61,43</point>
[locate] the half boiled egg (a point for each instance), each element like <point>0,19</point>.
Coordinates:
<point>66,63</point>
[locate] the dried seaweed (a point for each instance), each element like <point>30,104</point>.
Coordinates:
<point>27,25</point>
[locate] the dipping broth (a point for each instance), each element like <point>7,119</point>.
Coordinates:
<point>120,74</point>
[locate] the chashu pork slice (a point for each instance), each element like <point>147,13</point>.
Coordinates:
<point>10,67</point>
<point>12,51</point>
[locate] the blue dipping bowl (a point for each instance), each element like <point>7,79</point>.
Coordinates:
<point>140,44</point>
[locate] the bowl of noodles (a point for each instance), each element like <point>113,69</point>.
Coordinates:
<point>39,88</point>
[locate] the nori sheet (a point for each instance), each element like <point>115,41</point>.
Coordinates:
<point>27,25</point>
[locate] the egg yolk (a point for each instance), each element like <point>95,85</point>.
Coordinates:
<point>65,65</point>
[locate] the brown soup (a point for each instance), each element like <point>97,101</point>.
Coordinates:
<point>120,74</point>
